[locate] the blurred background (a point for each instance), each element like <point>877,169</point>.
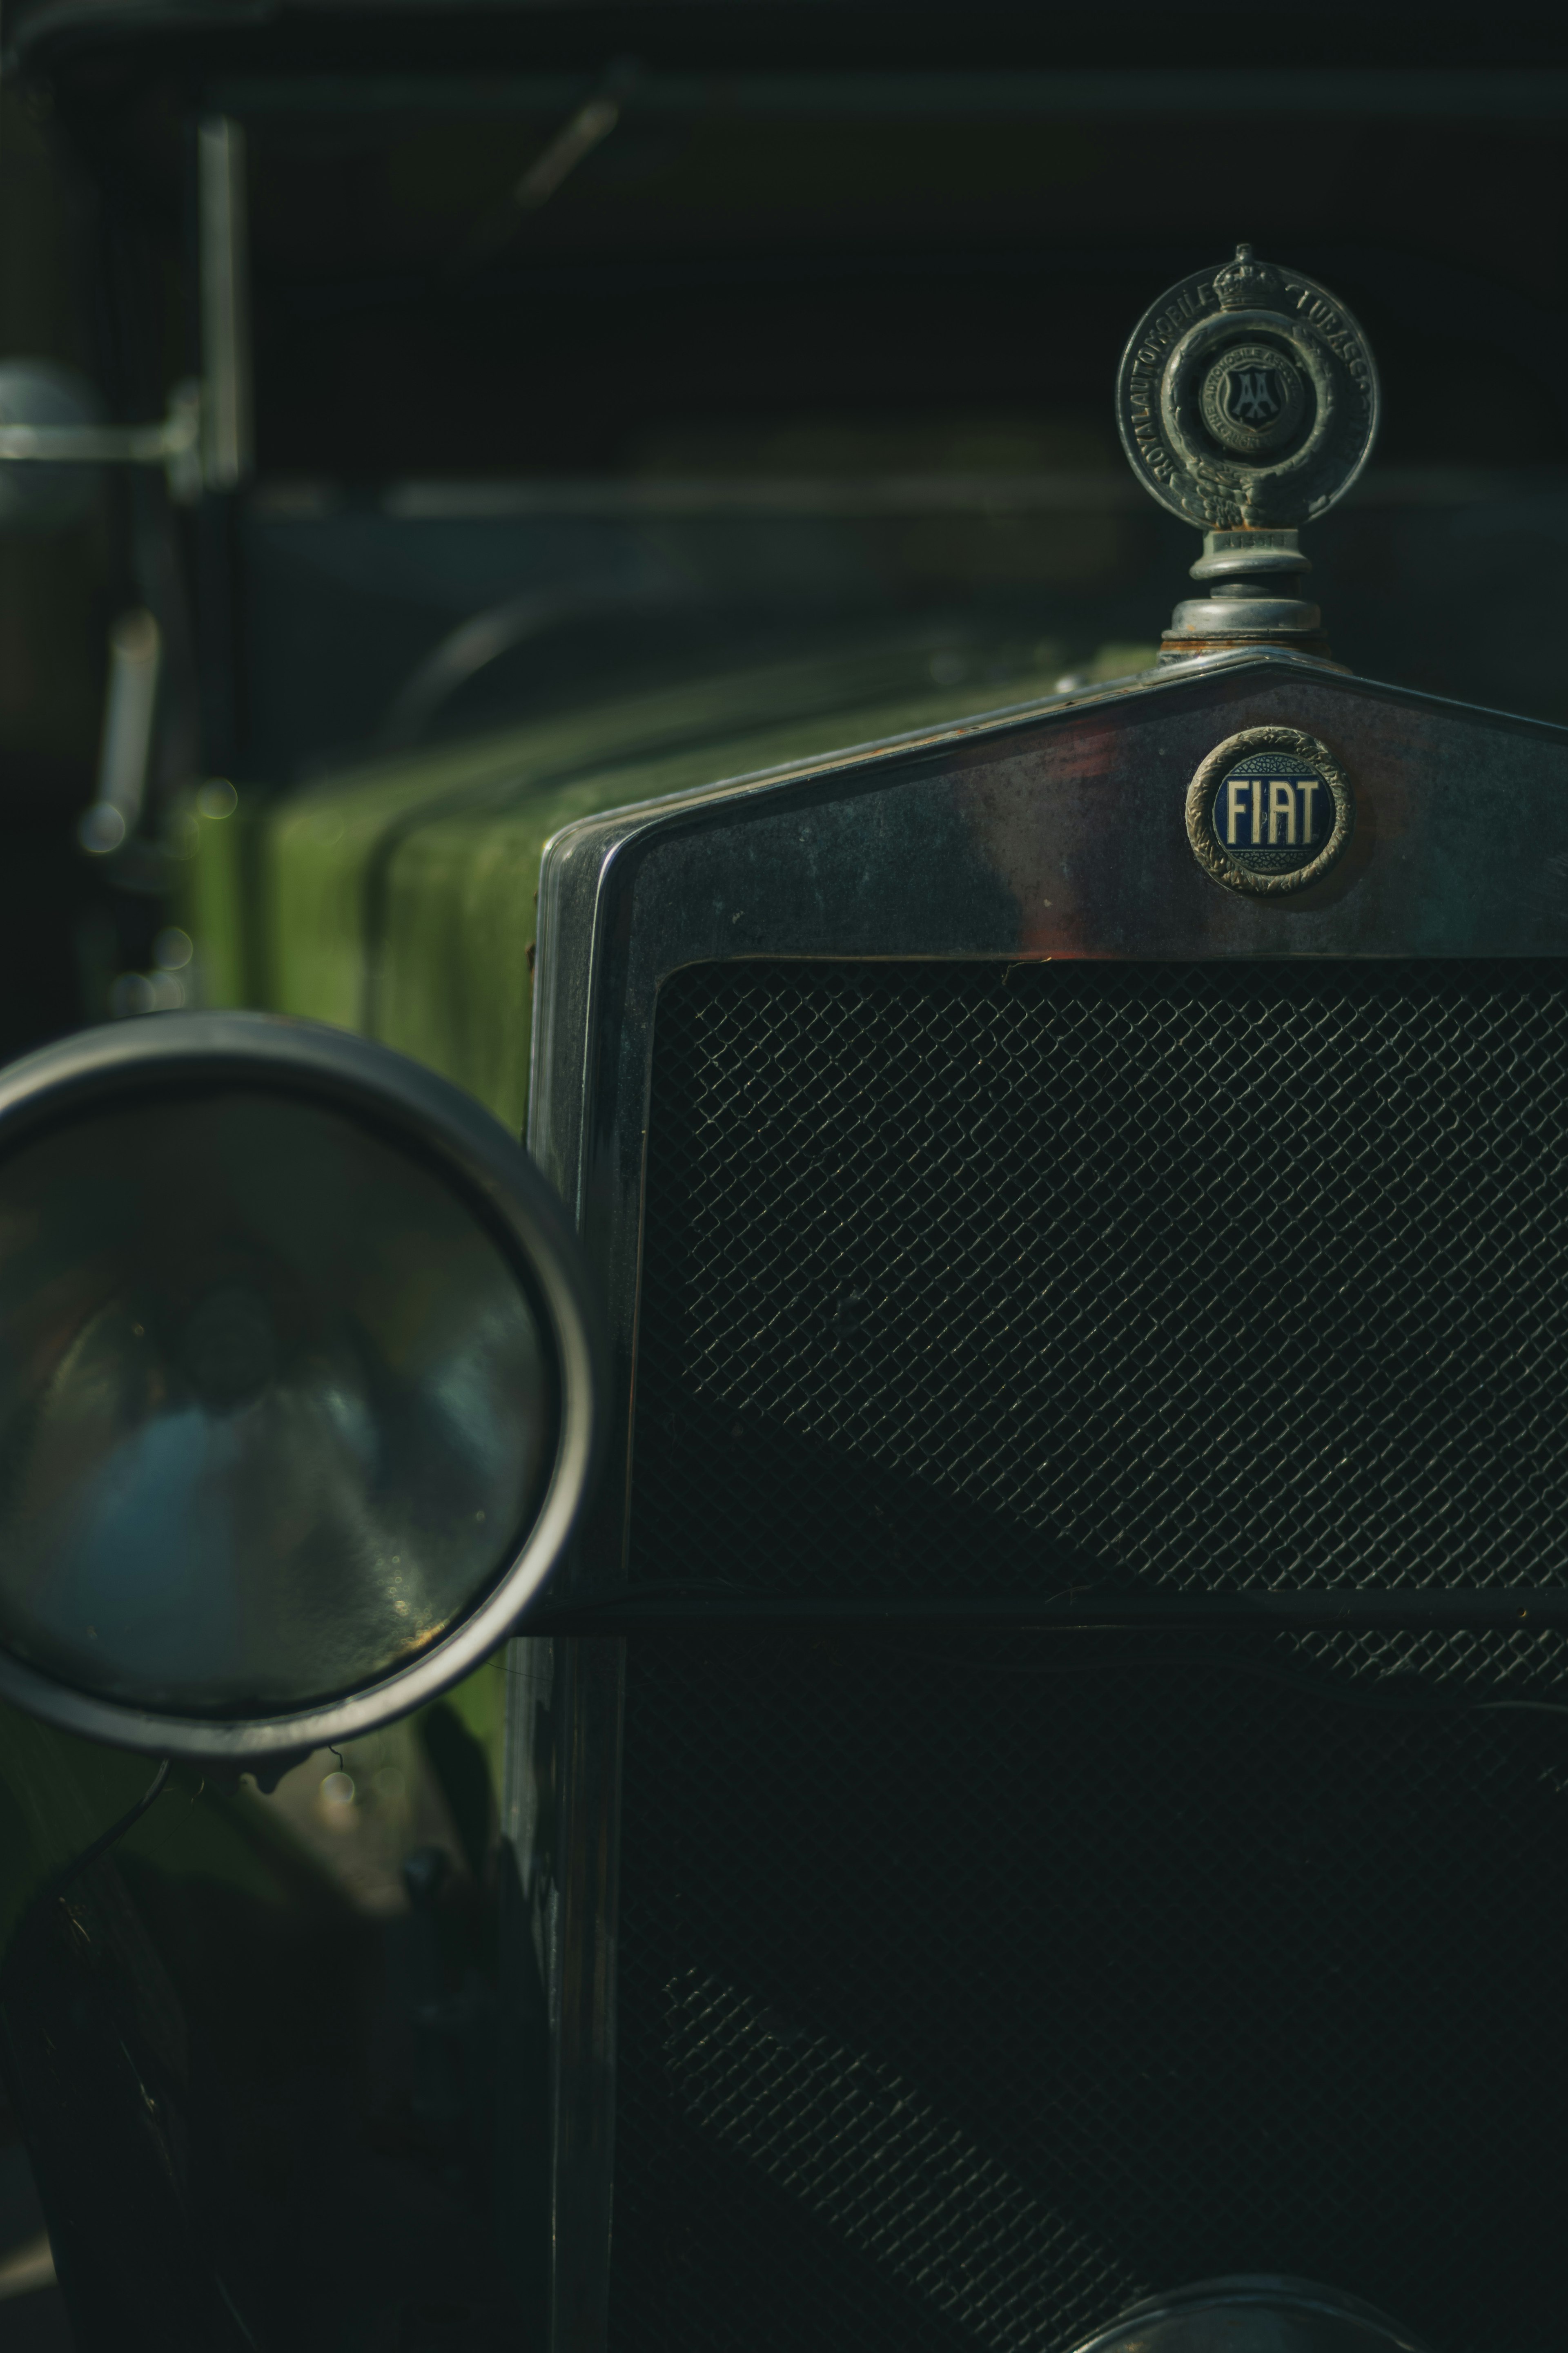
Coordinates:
<point>59,593</point>
<point>583,353</point>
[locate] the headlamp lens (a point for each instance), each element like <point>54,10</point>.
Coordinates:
<point>276,1406</point>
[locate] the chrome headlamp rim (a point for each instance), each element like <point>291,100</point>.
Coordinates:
<point>1279,2293</point>
<point>448,1131</point>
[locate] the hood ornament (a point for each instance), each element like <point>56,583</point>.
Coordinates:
<point>1247,403</point>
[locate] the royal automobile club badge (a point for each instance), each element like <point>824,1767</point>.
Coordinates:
<point>1248,397</point>
<point>1270,811</point>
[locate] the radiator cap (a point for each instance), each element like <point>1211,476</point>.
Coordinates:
<point>1247,404</point>
<point>1252,2313</point>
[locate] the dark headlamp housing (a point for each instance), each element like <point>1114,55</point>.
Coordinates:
<point>298,1385</point>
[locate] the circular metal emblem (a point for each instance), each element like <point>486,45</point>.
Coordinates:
<point>1270,811</point>
<point>1253,400</point>
<point>1248,398</point>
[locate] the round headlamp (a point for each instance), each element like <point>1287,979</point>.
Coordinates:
<point>297,1383</point>
<point>1252,2313</point>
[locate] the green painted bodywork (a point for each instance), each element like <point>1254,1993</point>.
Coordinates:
<point>398,899</point>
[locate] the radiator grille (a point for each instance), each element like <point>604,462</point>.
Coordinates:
<point>1189,1276</point>
<point>965,1996</point>
<point>965,1992</point>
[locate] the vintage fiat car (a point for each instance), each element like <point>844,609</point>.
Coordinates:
<point>905,1687</point>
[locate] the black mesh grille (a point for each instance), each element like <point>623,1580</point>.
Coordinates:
<point>1177,1276</point>
<point>964,1994</point>
<point>961,1996</point>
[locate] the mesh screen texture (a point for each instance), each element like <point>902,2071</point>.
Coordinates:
<point>968,1990</point>
<point>966,1994</point>
<point>970,1277</point>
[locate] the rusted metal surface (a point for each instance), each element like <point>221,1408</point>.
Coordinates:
<point>1173,649</point>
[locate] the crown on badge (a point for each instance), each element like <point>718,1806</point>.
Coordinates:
<point>1245,284</point>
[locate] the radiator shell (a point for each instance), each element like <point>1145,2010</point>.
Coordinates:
<point>1049,834</point>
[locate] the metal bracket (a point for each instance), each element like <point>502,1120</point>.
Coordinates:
<point>204,443</point>
<point>663,1608</point>
<point>175,444</point>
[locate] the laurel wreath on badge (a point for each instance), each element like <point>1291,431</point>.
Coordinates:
<point>1269,811</point>
<point>1247,397</point>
